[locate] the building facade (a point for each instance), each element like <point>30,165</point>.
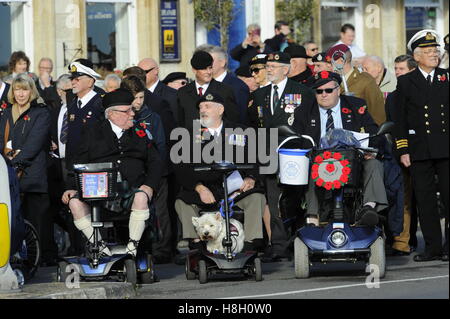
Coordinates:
<point>116,34</point>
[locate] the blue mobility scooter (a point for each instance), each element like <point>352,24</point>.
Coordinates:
<point>339,238</point>
<point>98,184</point>
<point>202,263</point>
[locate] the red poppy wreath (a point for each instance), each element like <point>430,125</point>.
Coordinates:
<point>330,170</point>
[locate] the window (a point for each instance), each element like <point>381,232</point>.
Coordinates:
<point>110,34</point>
<point>16,25</point>
<point>423,14</point>
<point>336,13</point>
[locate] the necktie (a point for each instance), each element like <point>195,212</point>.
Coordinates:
<point>275,98</point>
<point>429,80</point>
<point>200,91</point>
<point>64,129</point>
<point>79,104</point>
<point>330,121</point>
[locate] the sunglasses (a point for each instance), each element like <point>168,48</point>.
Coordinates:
<point>328,91</point>
<point>256,71</point>
<point>149,70</point>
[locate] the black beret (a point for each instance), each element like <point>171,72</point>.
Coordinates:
<point>320,57</point>
<point>296,51</point>
<point>243,70</point>
<point>259,59</point>
<point>211,98</point>
<point>279,57</point>
<point>324,77</point>
<point>117,97</point>
<point>201,60</point>
<point>174,76</point>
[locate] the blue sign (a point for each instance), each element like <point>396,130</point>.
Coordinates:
<point>170,43</point>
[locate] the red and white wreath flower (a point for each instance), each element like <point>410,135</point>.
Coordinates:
<point>330,170</point>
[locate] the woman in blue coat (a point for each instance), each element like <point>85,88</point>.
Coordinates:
<point>24,139</point>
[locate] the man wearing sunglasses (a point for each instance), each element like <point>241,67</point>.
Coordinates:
<point>115,140</point>
<point>331,110</point>
<point>258,69</point>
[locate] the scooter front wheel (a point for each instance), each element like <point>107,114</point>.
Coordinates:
<point>258,270</point>
<point>301,259</point>
<point>202,273</point>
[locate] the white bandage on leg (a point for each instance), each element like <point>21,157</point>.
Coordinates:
<point>136,227</point>
<point>84,224</point>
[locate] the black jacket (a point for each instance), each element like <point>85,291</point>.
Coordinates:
<point>169,95</point>
<point>188,98</point>
<point>354,114</point>
<point>260,114</point>
<point>423,115</point>
<point>30,135</point>
<point>241,94</point>
<point>138,160</point>
<point>4,99</point>
<point>302,77</point>
<point>244,56</point>
<point>189,179</point>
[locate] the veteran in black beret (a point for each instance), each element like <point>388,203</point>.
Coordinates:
<point>300,72</point>
<point>176,80</point>
<point>204,190</point>
<point>273,106</point>
<point>422,138</point>
<point>115,140</point>
<point>188,96</point>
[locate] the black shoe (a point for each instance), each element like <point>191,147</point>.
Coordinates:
<point>426,257</point>
<point>396,252</point>
<point>369,217</point>
<point>444,257</point>
<point>196,245</point>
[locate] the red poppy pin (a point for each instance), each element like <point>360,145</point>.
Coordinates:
<point>324,74</point>
<point>140,133</point>
<point>346,110</point>
<point>4,105</point>
<point>361,110</point>
<point>26,118</point>
<point>442,78</point>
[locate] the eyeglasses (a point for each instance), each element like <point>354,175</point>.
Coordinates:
<point>256,70</point>
<point>328,91</point>
<point>149,70</point>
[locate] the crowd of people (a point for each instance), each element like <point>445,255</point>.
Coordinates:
<point>47,125</point>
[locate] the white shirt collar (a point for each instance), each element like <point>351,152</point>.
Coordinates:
<point>221,77</point>
<point>117,130</point>
<point>281,86</point>
<point>218,130</point>
<point>85,99</point>
<point>335,109</point>
<point>153,87</point>
<point>204,86</point>
<point>425,74</point>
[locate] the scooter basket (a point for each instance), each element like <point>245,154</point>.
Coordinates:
<point>96,181</point>
<point>354,156</point>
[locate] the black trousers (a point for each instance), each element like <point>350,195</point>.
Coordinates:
<point>35,208</point>
<point>423,177</point>
<point>163,247</point>
<point>279,235</point>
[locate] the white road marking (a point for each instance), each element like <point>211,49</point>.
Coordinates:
<point>333,287</point>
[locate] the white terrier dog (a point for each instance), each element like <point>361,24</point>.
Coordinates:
<point>211,228</point>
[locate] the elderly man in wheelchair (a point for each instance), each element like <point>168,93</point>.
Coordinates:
<point>114,140</point>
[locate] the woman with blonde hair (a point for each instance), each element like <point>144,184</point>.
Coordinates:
<point>24,140</point>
